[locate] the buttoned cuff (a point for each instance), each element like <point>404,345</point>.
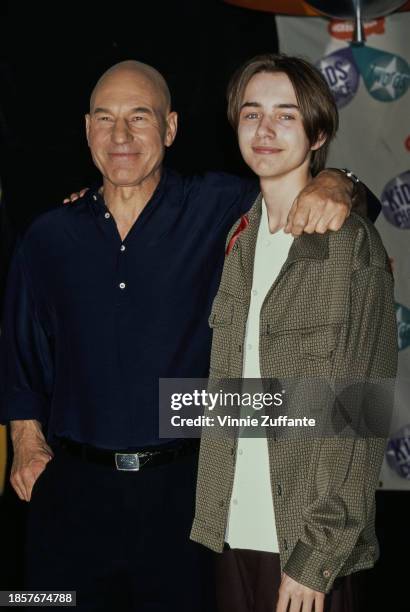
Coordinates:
<point>312,567</point>
<point>24,405</point>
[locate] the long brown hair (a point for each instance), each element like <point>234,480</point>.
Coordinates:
<point>317,106</point>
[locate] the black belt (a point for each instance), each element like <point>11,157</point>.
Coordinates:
<point>130,461</point>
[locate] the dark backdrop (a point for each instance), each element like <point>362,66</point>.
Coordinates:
<point>49,61</point>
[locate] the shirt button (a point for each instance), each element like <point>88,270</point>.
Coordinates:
<point>235,502</point>
<point>122,248</point>
<point>122,285</point>
<point>107,215</point>
<point>254,292</point>
<point>94,197</point>
<point>249,347</point>
<point>241,452</point>
<point>267,243</point>
<point>326,574</point>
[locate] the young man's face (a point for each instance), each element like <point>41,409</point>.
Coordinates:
<point>271,135</point>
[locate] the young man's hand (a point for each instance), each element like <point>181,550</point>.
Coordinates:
<point>298,597</point>
<point>74,196</point>
<point>31,455</point>
<point>324,204</point>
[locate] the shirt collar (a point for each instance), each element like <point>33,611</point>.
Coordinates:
<point>306,246</point>
<point>97,200</point>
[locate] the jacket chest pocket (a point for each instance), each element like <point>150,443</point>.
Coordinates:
<point>221,323</point>
<point>299,352</point>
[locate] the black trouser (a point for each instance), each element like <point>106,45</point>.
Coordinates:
<point>120,539</point>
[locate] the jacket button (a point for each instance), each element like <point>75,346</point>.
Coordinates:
<point>279,489</point>
<point>326,574</point>
<point>221,503</point>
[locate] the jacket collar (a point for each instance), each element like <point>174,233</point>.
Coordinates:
<point>306,246</point>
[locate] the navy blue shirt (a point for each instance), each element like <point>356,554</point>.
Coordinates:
<point>91,322</point>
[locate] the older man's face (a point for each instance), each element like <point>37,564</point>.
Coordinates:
<point>128,128</point>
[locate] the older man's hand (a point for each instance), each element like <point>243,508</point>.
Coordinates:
<point>298,597</point>
<point>324,204</point>
<point>75,196</point>
<point>31,455</point>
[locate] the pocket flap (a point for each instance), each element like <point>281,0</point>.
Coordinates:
<point>318,341</point>
<point>222,311</point>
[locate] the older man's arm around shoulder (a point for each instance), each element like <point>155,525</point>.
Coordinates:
<point>327,200</point>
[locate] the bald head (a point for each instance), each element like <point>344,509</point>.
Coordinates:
<point>147,76</point>
<point>130,124</point>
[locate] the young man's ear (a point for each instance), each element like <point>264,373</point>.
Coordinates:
<point>319,142</point>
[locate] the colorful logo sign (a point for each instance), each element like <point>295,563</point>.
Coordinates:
<point>341,75</point>
<point>343,30</point>
<point>386,76</point>
<point>396,201</point>
<point>403,326</point>
<point>398,452</point>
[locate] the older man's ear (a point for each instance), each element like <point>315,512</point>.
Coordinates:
<point>171,129</point>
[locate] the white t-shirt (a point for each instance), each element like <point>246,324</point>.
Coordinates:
<point>251,521</point>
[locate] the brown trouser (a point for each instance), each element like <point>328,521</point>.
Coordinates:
<point>249,580</point>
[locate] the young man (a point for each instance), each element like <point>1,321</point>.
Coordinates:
<point>293,516</point>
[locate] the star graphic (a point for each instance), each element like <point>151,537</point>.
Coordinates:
<point>390,69</point>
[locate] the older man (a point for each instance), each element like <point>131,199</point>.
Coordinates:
<point>104,297</point>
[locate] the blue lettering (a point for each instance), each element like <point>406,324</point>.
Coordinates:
<point>343,74</point>
<point>330,76</point>
<point>402,218</point>
<point>389,198</point>
<point>405,470</point>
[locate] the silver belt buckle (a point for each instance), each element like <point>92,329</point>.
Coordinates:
<point>127,462</point>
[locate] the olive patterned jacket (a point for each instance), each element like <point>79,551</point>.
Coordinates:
<point>330,313</point>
